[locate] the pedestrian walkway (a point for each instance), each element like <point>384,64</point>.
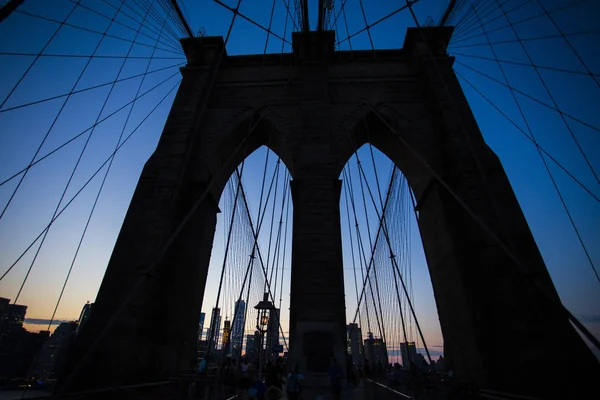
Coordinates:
<point>366,391</point>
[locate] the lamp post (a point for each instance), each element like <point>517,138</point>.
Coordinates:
<point>264,308</point>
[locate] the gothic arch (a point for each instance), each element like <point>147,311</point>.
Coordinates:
<point>246,137</point>
<point>392,133</point>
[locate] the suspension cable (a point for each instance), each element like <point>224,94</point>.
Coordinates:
<point>100,190</point>
<point>550,95</point>
<point>547,168</point>
<point>88,129</point>
<point>530,97</point>
<point>37,56</point>
<point>535,143</point>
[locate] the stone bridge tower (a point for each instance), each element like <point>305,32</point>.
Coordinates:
<point>502,320</point>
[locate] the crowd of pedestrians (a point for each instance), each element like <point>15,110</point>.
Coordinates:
<point>274,380</point>
<point>247,380</point>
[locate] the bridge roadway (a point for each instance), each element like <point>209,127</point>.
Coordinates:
<point>366,391</point>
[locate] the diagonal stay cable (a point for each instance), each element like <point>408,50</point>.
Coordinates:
<point>224,264</point>
<point>80,157</point>
<point>270,278</point>
<point>90,9</point>
<point>373,247</point>
<point>255,234</point>
<point>87,129</point>
<point>372,256</point>
<point>13,53</point>
<point>91,213</point>
<point>464,20</point>
<point>92,30</point>
<point>277,253</point>
<point>148,25</point>
<point>90,87</point>
<point>339,12</point>
<point>568,71</point>
<point>346,173</point>
<point>551,96</point>
<point>285,236</point>
<point>237,12</point>
<point>558,192</point>
<point>353,258</point>
<point>49,130</point>
<point>88,181</point>
<point>531,39</point>
<point>530,97</point>
<point>467,28</point>
<point>368,28</point>
<point>383,226</point>
<point>361,253</point>
<point>380,20</point>
<point>156,16</point>
<point>541,150</point>
<point>560,8</point>
<point>61,24</point>
<point>566,39</point>
<point>535,143</point>
<point>289,16</point>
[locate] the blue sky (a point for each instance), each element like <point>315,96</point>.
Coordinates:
<point>22,130</point>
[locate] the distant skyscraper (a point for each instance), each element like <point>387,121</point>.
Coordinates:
<point>84,316</point>
<point>51,357</point>
<point>252,345</point>
<point>15,315</point>
<point>408,350</point>
<point>237,331</point>
<point>376,351</point>
<point>226,335</point>
<point>272,337</point>
<point>212,336</point>
<point>355,345</point>
<point>18,347</point>
<point>419,360</point>
<point>201,325</point>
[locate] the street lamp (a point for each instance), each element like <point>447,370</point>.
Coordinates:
<point>264,308</point>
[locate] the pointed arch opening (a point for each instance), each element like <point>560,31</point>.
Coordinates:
<point>251,256</point>
<point>388,287</point>
<point>238,144</point>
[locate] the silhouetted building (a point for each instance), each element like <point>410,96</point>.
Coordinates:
<point>201,326</point>
<point>202,348</point>
<point>408,350</point>
<point>51,358</point>
<point>4,306</point>
<point>226,335</point>
<point>355,345</point>
<point>213,334</point>
<point>420,360</point>
<point>18,347</point>
<point>4,303</point>
<point>272,334</point>
<point>439,365</point>
<point>252,345</point>
<point>12,315</point>
<point>375,351</point>
<point>237,330</point>
<point>84,316</point>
